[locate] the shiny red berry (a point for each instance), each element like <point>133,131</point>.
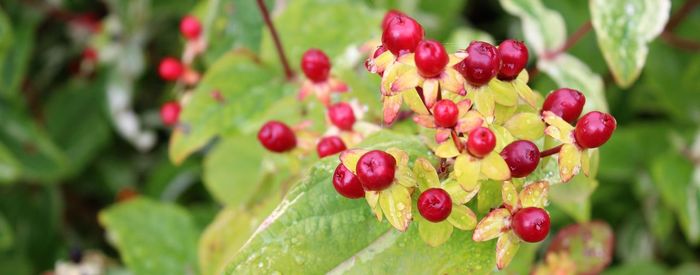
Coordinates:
<point>346,183</point>
<point>277,137</point>
<point>445,113</point>
<point>522,157</point>
<point>481,64</point>
<point>481,142</point>
<point>566,103</point>
<point>190,27</point>
<point>402,35</point>
<point>435,205</point>
<point>170,113</point>
<point>513,58</point>
<point>342,116</point>
<point>531,224</point>
<point>431,58</point>
<point>316,65</point>
<point>330,146</point>
<point>594,129</point>
<point>388,16</point>
<point>375,169</point>
<point>170,69</point>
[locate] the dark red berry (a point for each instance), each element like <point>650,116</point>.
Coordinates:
<point>522,157</point>
<point>481,64</point>
<point>330,146</point>
<point>277,137</point>
<point>565,103</point>
<point>388,16</point>
<point>346,183</point>
<point>375,169</point>
<point>445,113</point>
<point>190,27</point>
<point>594,129</point>
<point>435,205</point>
<point>170,69</point>
<point>402,35</point>
<point>316,65</point>
<point>342,116</point>
<point>481,142</point>
<point>170,113</point>
<point>513,58</point>
<point>89,54</point>
<point>431,58</point>
<point>531,224</point>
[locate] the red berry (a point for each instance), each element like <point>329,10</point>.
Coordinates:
<point>531,224</point>
<point>522,157</point>
<point>594,129</point>
<point>170,69</point>
<point>431,58</point>
<point>481,64</point>
<point>89,54</point>
<point>375,169</point>
<point>277,137</point>
<point>346,183</point>
<point>190,27</point>
<point>445,113</point>
<point>481,142</point>
<point>342,116</point>
<point>316,65</point>
<point>330,146</point>
<point>402,35</point>
<point>566,103</point>
<point>170,113</point>
<point>388,16</point>
<point>513,59</point>
<point>435,205</point>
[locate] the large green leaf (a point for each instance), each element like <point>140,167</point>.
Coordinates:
<point>316,230</point>
<point>573,197</point>
<point>623,28</point>
<point>10,168</point>
<point>544,28</point>
<point>568,71</point>
<point>152,237</point>
<point>14,59</point>
<point>247,88</point>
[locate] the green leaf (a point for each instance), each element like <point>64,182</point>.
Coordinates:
<point>634,268</point>
<point>568,71</point>
<point>14,59</point>
<point>623,29</point>
<point>526,126</point>
<point>544,29</point>
<point>152,237</point>
<point>10,168</point>
<point>248,89</point>
<point>6,234</point>
<point>434,234</point>
<point>329,233</point>
<point>462,36</point>
<point>574,197</point>
<point>489,196</point>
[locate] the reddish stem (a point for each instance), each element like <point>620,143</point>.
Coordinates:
<point>551,151</point>
<point>681,14</point>
<point>455,139</point>
<point>571,41</point>
<point>275,37</point>
<point>676,19</point>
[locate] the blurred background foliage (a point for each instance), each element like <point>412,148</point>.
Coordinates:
<point>76,138</point>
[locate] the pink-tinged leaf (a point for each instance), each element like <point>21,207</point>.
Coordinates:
<point>434,234</point>
<point>525,125</point>
<point>403,175</point>
<point>462,217</point>
<point>414,102</point>
<point>524,92</point>
<point>510,196</point>
<point>534,195</point>
<point>306,89</point>
<point>446,150</point>
<point>503,92</point>
<point>589,245</point>
<point>392,72</point>
<point>506,247</point>
<point>349,158</point>
<point>426,121</point>
<point>463,107</point>
<point>469,121</point>
<point>569,162</point>
<point>379,64</point>
<point>426,175</point>
<point>409,79</point>
<point>407,59</point>
<point>336,85</point>
<point>556,263</point>
<point>586,162</point>
<point>396,206</point>
<point>430,91</point>
<point>457,193</point>
<point>442,134</point>
<point>392,104</point>
<point>559,129</point>
<point>494,167</point>
<point>323,94</point>
<point>452,81</point>
<point>372,198</point>
<point>485,103</point>
<point>492,226</point>
<point>467,172</point>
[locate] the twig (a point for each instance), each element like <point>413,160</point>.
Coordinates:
<point>275,37</point>
<point>680,15</point>
<point>455,139</point>
<point>676,19</point>
<point>570,42</point>
<point>550,151</point>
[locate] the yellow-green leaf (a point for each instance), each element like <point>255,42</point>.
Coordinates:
<point>414,102</point>
<point>510,195</point>
<point>526,126</point>
<point>466,171</point>
<point>484,103</point>
<point>457,193</point>
<point>349,158</point>
<point>396,206</point>
<point>425,174</point>
<point>462,217</point>
<point>506,247</point>
<point>503,92</point>
<point>534,195</point>
<point>447,149</point>
<point>569,162</point>
<point>494,167</point>
<point>492,226</point>
<point>434,234</point>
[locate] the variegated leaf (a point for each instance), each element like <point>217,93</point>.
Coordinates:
<point>396,206</point>
<point>506,248</point>
<point>391,74</point>
<point>349,158</point>
<point>534,195</point>
<point>510,196</point>
<point>434,234</point>
<point>467,171</point>
<point>414,101</point>
<point>569,162</point>
<point>559,129</point>
<point>409,79</point>
<point>372,198</point>
<point>426,121</point>
<point>391,106</point>
<point>469,121</point>
<point>492,226</point>
<point>526,126</point>
<point>425,174</point>
<point>430,91</point>
<point>457,193</point>
<point>462,217</point>
<point>494,167</point>
<point>451,81</point>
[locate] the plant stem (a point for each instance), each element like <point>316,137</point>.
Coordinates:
<point>275,37</point>
<point>676,19</point>
<point>551,151</point>
<point>455,139</point>
<point>681,14</point>
<point>571,41</point>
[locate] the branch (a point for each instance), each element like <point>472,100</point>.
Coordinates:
<point>275,37</point>
<point>680,15</point>
<point>570,42</point>
<point>676,19</point>
<point>551,151</point>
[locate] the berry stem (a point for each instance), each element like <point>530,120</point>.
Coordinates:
<point>275,37</point>
<point>455,139</point>
<point>679,42</point>
<point>551,151</point>
<point>571,41</point>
